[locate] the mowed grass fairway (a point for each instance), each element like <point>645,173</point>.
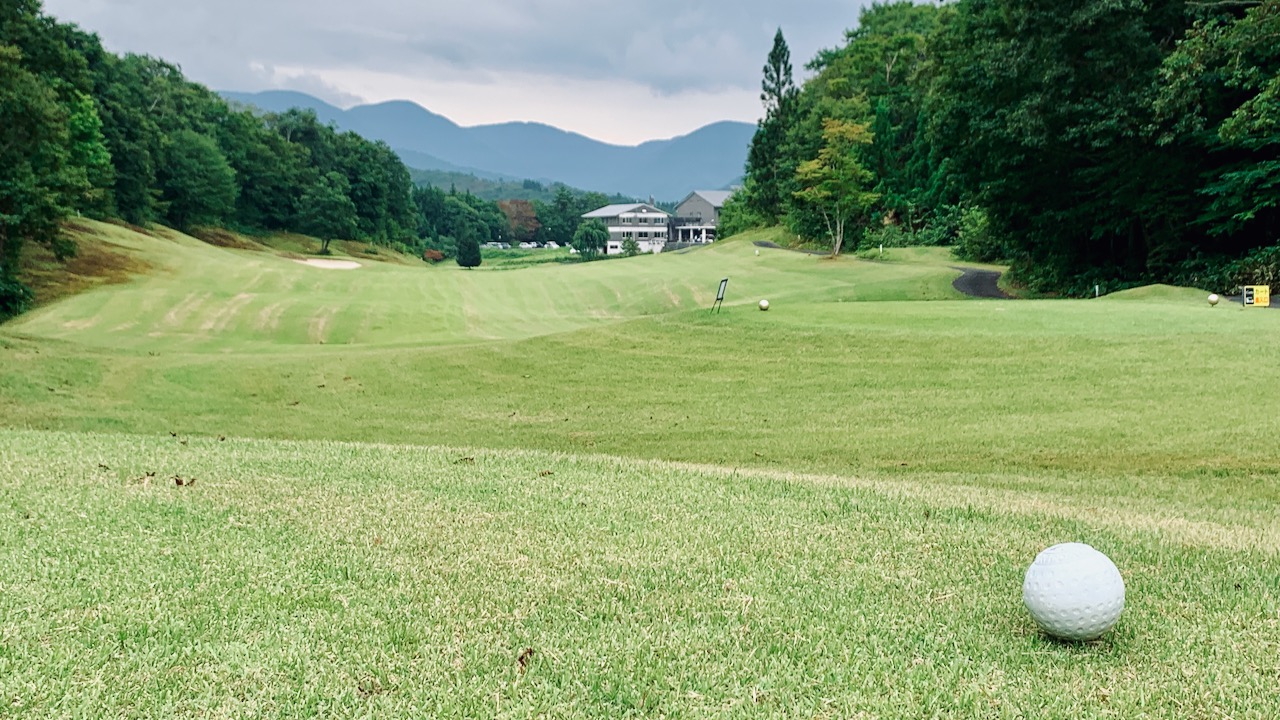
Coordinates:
<point>570,491</point>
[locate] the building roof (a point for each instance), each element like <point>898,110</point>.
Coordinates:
<point>717,198</point>
<point>609,211</point>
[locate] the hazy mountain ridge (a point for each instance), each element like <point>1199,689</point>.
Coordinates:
<point>710,157</point>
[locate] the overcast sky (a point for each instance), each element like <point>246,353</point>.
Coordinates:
<point>615,73</point>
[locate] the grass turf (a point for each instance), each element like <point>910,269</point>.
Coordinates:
<point>353,580</point>
<point>859,488</point>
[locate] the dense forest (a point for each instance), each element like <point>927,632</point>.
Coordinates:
<point>1096,141</point>
<point>84,132</point>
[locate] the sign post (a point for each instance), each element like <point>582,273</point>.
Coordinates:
<point>720,295</point>
<point>1257,295</point>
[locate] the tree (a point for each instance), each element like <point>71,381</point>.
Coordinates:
<point>132,137</point>
<point>1044,113</point>
<point>464,225</point>
<point>34,184</point>
<point>834,183</point>
<point>197,185</point>
<point>777,89</point>
<point>630,248</point>
<point>1221,91</point>
<point>886,59</point>
<point>492,223</point>
<point>737,216</point>
<point>89,158</point>
<point>560,218</point>
<point>271,172</point>
<point>764,167</point>
<point>429,204</point>
<point>522,219</point>
<point>590,239</point>
<point>326,212</point>
<point>469,248</point>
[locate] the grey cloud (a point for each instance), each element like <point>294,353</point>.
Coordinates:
<point>666,45</point>
<point>316,87</point>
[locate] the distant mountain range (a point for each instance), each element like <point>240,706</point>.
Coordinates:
<point>709,158</point>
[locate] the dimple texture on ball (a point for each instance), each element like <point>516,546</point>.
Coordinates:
<point>1074,592</point>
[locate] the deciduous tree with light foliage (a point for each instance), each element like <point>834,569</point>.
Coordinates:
<point>834,184</point>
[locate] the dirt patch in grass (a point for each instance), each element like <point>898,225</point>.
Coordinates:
<point>331,264</point>
<point>97,262</point>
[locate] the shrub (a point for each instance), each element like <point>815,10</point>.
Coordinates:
<point>942,227</point>
<point>1260,267</point>
<point>975,240</point>
<point>737,216</point>
<point>15,297</point>
<point>432,256</point>
<point>1220,273</point>
<point>890,236</point>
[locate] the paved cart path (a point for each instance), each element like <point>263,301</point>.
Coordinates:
<point>979,283</point>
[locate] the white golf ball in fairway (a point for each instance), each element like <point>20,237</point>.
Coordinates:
<point>1074,592</point>
<point>764,304</point>
<point>1213,298</point>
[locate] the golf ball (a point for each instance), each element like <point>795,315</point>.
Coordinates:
<point>1213,298</point>
<point>764,304</point>
<point>1074,592</point>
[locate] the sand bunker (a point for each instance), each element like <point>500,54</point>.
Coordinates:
<point>330,264</point>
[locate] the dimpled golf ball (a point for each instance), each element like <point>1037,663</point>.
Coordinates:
<point>764,304</point>
<point>1213,298</point>
<point>1074,592</point>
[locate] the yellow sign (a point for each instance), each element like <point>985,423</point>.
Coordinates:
<point>1257,295</point>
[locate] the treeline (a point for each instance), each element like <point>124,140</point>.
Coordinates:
<point>497,190</point>
<point>86,132</point>
<point>1084,142</point>
<point>452,220</point>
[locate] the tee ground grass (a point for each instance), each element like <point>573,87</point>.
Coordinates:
<point>355,580</point>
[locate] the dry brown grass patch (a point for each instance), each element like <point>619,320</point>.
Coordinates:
<point>97,262</point>
<point>224,239</point>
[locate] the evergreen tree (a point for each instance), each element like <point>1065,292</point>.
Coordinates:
<point>764,158</point>
<point>469,247</point>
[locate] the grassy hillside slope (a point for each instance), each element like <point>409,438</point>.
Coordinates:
<point>206,297</point>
